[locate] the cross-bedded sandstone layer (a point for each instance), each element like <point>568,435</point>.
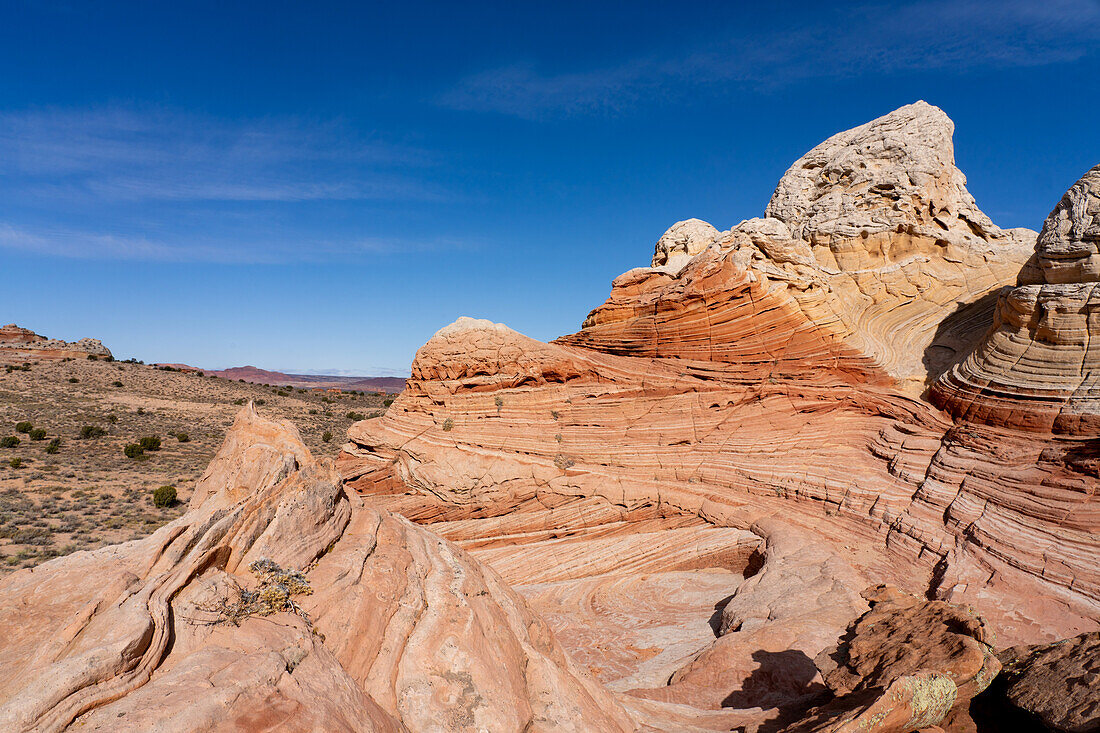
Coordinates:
<point>773,372</point>
<point>1038,369</point>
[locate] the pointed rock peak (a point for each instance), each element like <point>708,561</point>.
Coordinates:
<point>257,452</point>
<point>1069,244</point>
<point>684,239</point>
<point>896,172</point>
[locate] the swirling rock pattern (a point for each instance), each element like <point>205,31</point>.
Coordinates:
<point>1036,370</point>
<point>771,372</point>
<point>402,630</point>
<point>869,244</point>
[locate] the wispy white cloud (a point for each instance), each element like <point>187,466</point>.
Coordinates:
<point>276,249</point>
<point>848,41</point>
<point>115,154</point>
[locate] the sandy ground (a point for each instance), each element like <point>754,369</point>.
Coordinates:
<point>88,493</point>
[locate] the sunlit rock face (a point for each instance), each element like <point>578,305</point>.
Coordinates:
<point>774,372</point>
<point>1037,369</point>
<point>391,627</point>
<point>872,256</point>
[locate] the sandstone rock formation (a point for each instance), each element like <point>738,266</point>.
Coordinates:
<point>17,344</point>
<point>1054,683</point>
<point>919,661</point>
<point>387,628</point>
<point>664,522</point>
<point>768,376</point>
<point>872,255</point>
<point>1037,369</point>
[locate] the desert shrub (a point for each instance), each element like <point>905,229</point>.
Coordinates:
<point>9,441</point>
<point>150,442</point>
<point>388,402</point>
<point>141,410</point>
<point>92,431</point>
<point>313,411</point>
<point>201,374</point>
<point>38,434</point>
<point>116,383</point>
<point>326,436</point>
<point>326,400</point>
<point>133,450</point>
<point>183,437</point>
<point>93,357</point>
<point>260,402</point>
<point>355,416</point>
<point>53,446</point>
<point>239,401</point>
<point>498,401</point>
<point>73,380</point>
<point>112,418</point>
<point>448,424</point>
<point>164,496</point>
<point>23,427</point>
<point>15,462</point>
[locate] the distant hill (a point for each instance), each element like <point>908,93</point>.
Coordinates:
<point>256,375</point>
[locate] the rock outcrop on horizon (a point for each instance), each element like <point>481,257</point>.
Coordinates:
<point>18,344</point>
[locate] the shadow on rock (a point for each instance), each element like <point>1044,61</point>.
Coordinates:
<point>785,681</point>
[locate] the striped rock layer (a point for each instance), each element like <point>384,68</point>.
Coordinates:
<point>1038,368</point>
<point>766,382</point>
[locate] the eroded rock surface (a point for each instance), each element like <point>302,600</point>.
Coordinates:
<point>396,628</point>
<point>773,372</point>
<point>872,256</point>
<point>1037,369</point>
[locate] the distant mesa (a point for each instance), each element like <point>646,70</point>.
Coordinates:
<point>308,381</point>
<point>18,344</point>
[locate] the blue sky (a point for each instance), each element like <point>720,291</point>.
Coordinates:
<point>321,186</point>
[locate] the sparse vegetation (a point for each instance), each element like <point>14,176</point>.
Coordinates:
<point>164,496</point>
<point>15,462</point>
<point>9,441</point>
<point>150,443</point>
<point>326,436</point>
<point>134,450</point>
<point>89,432</point>
<point>53,446</point>
<point>38,433</point>
<point>23,427</point>
<point>355,415</point>
<point>183,437</point>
